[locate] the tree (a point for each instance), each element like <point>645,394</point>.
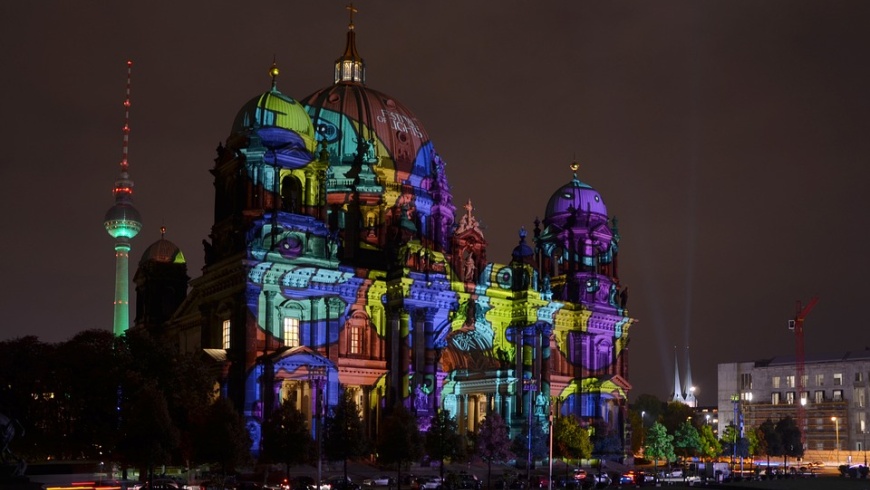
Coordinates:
<point>286,438</point>
<point>675,414</point>
<point>442,440</point>
<point>752,440</point>
<point>687,440</point>
<point>222,438</point>
<point>27,377</point>
<point>659,445</point>
<point>88,374</point>
<point>399,440</point>
<point>492,443</point>
<point>570,439</point>
<point>344,437</point>
<point>650,406</point>
<point>605,440</point>
<point>635,421</point>
<point>790,437</point>
<point>148,436</point>
<point>522,443</point>
<point>768,440</point>
<point>710,446</point>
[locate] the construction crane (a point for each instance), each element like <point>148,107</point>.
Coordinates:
<point>797,325</point>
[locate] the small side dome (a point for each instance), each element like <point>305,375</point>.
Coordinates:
<point>164,252</point>
<point>522,252</point>
<point>273,109</point>
<point>578,196</point>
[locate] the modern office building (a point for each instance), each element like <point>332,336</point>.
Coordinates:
<point>834,398</point>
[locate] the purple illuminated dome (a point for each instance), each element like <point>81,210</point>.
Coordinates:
<point>576,214</point>
<point>575,196</point>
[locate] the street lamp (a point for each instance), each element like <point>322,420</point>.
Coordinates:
<point>837,433</point>
<point>643,432</point>
<point>530,386</point>
<point>864,441</point>
<point>735,400</point>
<point>316,377</point>
<point>550,477</point>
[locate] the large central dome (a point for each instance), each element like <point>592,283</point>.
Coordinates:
<point>347,114</point>
<point>379,150</point>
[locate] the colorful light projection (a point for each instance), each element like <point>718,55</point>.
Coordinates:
<point>353,248</point>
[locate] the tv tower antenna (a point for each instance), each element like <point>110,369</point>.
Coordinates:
<point>122,222</point>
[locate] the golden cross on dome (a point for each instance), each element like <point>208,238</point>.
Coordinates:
<point>574,167</point>
<point>273,71</point>
<point>350,8</point>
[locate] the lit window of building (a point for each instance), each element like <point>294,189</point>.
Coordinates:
<point>838,395</point>
<point>789,381</point>
<point>774,382</point>
<point>820,380</point>
<point>838,379</point>
<point>291,332</point>
<point>819,396</point>
<point>774,398</point>
<point>789,397</point>
<point>226,334</point>
<point>355,340</point>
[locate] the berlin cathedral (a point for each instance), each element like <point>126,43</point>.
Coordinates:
<point>339,260</point>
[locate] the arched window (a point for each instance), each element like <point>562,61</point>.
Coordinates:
<point>355,329</point>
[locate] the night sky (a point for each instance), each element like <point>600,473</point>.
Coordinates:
<point>730,138</point>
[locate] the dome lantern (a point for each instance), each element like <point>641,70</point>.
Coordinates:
<point>350,67</point>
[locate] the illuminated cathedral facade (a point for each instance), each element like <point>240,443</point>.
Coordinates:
<point>338,260</point>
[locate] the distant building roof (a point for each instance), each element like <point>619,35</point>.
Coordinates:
<point>816,358</point>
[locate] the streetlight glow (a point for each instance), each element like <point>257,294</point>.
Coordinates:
<point>837,433</point>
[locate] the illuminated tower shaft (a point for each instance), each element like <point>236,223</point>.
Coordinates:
<point>123,223</point>
<point>122,287</point>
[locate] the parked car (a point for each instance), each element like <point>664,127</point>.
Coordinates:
<point>538,481</point>
<point>379,481</point>
<point>629,478</point>
<point>599,479</point>
<point>433,483</point>
<point>340,483</point>
<point>300,482</point>
<point>467,481</point>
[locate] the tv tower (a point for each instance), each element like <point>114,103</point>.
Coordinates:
<point>123,223</point>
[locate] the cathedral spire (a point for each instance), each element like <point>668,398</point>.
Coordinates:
<point>123,222</point>
<point>678,393</point>
<point>689,388</point>
<point>350,67</point>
